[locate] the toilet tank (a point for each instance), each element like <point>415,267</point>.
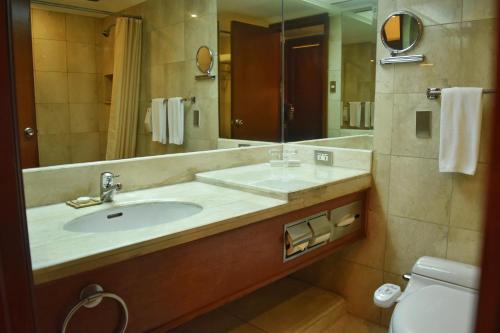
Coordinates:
<point>447,271</point>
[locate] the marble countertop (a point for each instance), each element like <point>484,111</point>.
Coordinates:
<point>57,252</point>
<point>279,182</point>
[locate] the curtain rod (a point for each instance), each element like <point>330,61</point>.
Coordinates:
<point>82,9</point>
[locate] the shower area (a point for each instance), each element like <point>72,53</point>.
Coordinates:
<point>84,108</point>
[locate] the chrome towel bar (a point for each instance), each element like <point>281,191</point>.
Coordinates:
<point>435,93</point>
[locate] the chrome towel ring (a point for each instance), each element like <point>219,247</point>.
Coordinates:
<point>90,297</point>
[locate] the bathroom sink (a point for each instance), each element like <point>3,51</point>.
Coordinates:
<point>133,216</point>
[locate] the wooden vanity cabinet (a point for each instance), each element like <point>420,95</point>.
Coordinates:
<point>169,287</point>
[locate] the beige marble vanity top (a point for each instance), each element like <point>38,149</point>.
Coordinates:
<point>56,252</point>
<point>280,182</point>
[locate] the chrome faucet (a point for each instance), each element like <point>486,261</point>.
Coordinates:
<point>108,187</point>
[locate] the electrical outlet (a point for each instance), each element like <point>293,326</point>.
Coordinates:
<point>323,157</point>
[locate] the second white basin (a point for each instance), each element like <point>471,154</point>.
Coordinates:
<point>133,216</point>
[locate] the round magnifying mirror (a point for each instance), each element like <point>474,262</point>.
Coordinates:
<point>401,31</point>
<point>205,59</point>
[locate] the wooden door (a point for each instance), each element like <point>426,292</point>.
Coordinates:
<point>25,99</point>
<point>255,83</point>
<point>304,88</point>
<point>16,299</point>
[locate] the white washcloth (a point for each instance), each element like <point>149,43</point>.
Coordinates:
<point>355,114</point>
<point>368,106</point>
<point>372,114</point>
<point>159,120</point>
<point>461,117</point>
<point>176,120</point>
<point>148,126</point>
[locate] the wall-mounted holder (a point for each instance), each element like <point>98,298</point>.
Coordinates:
<point>204,77</point>
<point>402,59</point>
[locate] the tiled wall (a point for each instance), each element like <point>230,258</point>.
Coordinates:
<point>171,38</point>
<point>358,75</point>
<point>67,79</point>
<point>414,210</point>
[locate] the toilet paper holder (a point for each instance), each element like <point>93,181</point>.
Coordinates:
<point>305,235</point>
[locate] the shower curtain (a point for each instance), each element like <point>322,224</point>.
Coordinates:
<point>124,112</point>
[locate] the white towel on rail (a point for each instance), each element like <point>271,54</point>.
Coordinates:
<point>372,114</point>
<point>148,121</point>
<point>159,120</point>
<point>368,106</point>
<point>355,114</point>
<point>176,120</point>
<point>461,116</point>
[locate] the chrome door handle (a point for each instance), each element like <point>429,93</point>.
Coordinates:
<point>29,132</point>
<point>238,122</point>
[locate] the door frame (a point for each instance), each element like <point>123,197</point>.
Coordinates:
<point>16,295</point>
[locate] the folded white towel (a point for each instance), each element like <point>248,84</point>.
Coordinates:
<point>148,126</point>
<point>159,120</point>
<point>176,120</point>
<point>368,106</point>
<point>355,114</point>
<point>461,116</point>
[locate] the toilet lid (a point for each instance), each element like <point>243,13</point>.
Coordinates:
<point>435,309</point>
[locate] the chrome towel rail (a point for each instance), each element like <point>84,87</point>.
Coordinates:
<point>90,297</point>
<point>435,93</point>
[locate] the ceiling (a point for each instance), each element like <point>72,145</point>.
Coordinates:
<point>106,5</point>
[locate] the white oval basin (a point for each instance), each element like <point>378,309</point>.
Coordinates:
<point>133,216</point>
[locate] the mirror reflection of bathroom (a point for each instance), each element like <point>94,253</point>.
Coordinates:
<point>106,71</point>
<point>330,69</point>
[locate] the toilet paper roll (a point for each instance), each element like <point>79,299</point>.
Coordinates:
<point>319,239</point>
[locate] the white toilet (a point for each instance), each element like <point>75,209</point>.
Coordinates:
<point>441,297</point>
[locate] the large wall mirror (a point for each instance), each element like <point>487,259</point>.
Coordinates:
<point>109,75</point>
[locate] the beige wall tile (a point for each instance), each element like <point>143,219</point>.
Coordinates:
<point>81,28</point>
<point>408,240</point>
<point>49,55</point>
<point>84,118</point>
<point>200,7</point>
<point>478,54</point>
<point>479,9</point>
<point>85,147</point>
<point>175,79</point>
<point>167,44</point>
<point>81,58</point>
<point>468,199</point>
<point>443,70</point>
<point>433,12</point>
<point>200,31</point>
<point>48,25</point>
<point>464,246</point>
<point>404,139</point>
<point>384,104</point>
<point>370,251</point>
<point>418,190</point>
<point>52,118</point>
<point>54,149</point>
<point>378,199</point>
<point>51,87</point>
<point>160,13</point>
<point>82,88</point>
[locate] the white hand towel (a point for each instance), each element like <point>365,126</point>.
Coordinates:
<point>355,114</point>
<point>148,121</point>
<point>368,106</point>
<point>461,116</point>
<point>159,120</point>
<point>372,114</point>
<point>176,120</point>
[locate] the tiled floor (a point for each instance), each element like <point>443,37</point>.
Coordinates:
<point>285,306</point>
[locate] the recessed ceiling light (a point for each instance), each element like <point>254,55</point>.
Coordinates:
<point>194,15</point>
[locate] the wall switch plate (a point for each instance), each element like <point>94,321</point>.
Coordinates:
<point>323,157</point>
<point>333,87</point>
<point>423,124</point>
<point>196,118</point>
